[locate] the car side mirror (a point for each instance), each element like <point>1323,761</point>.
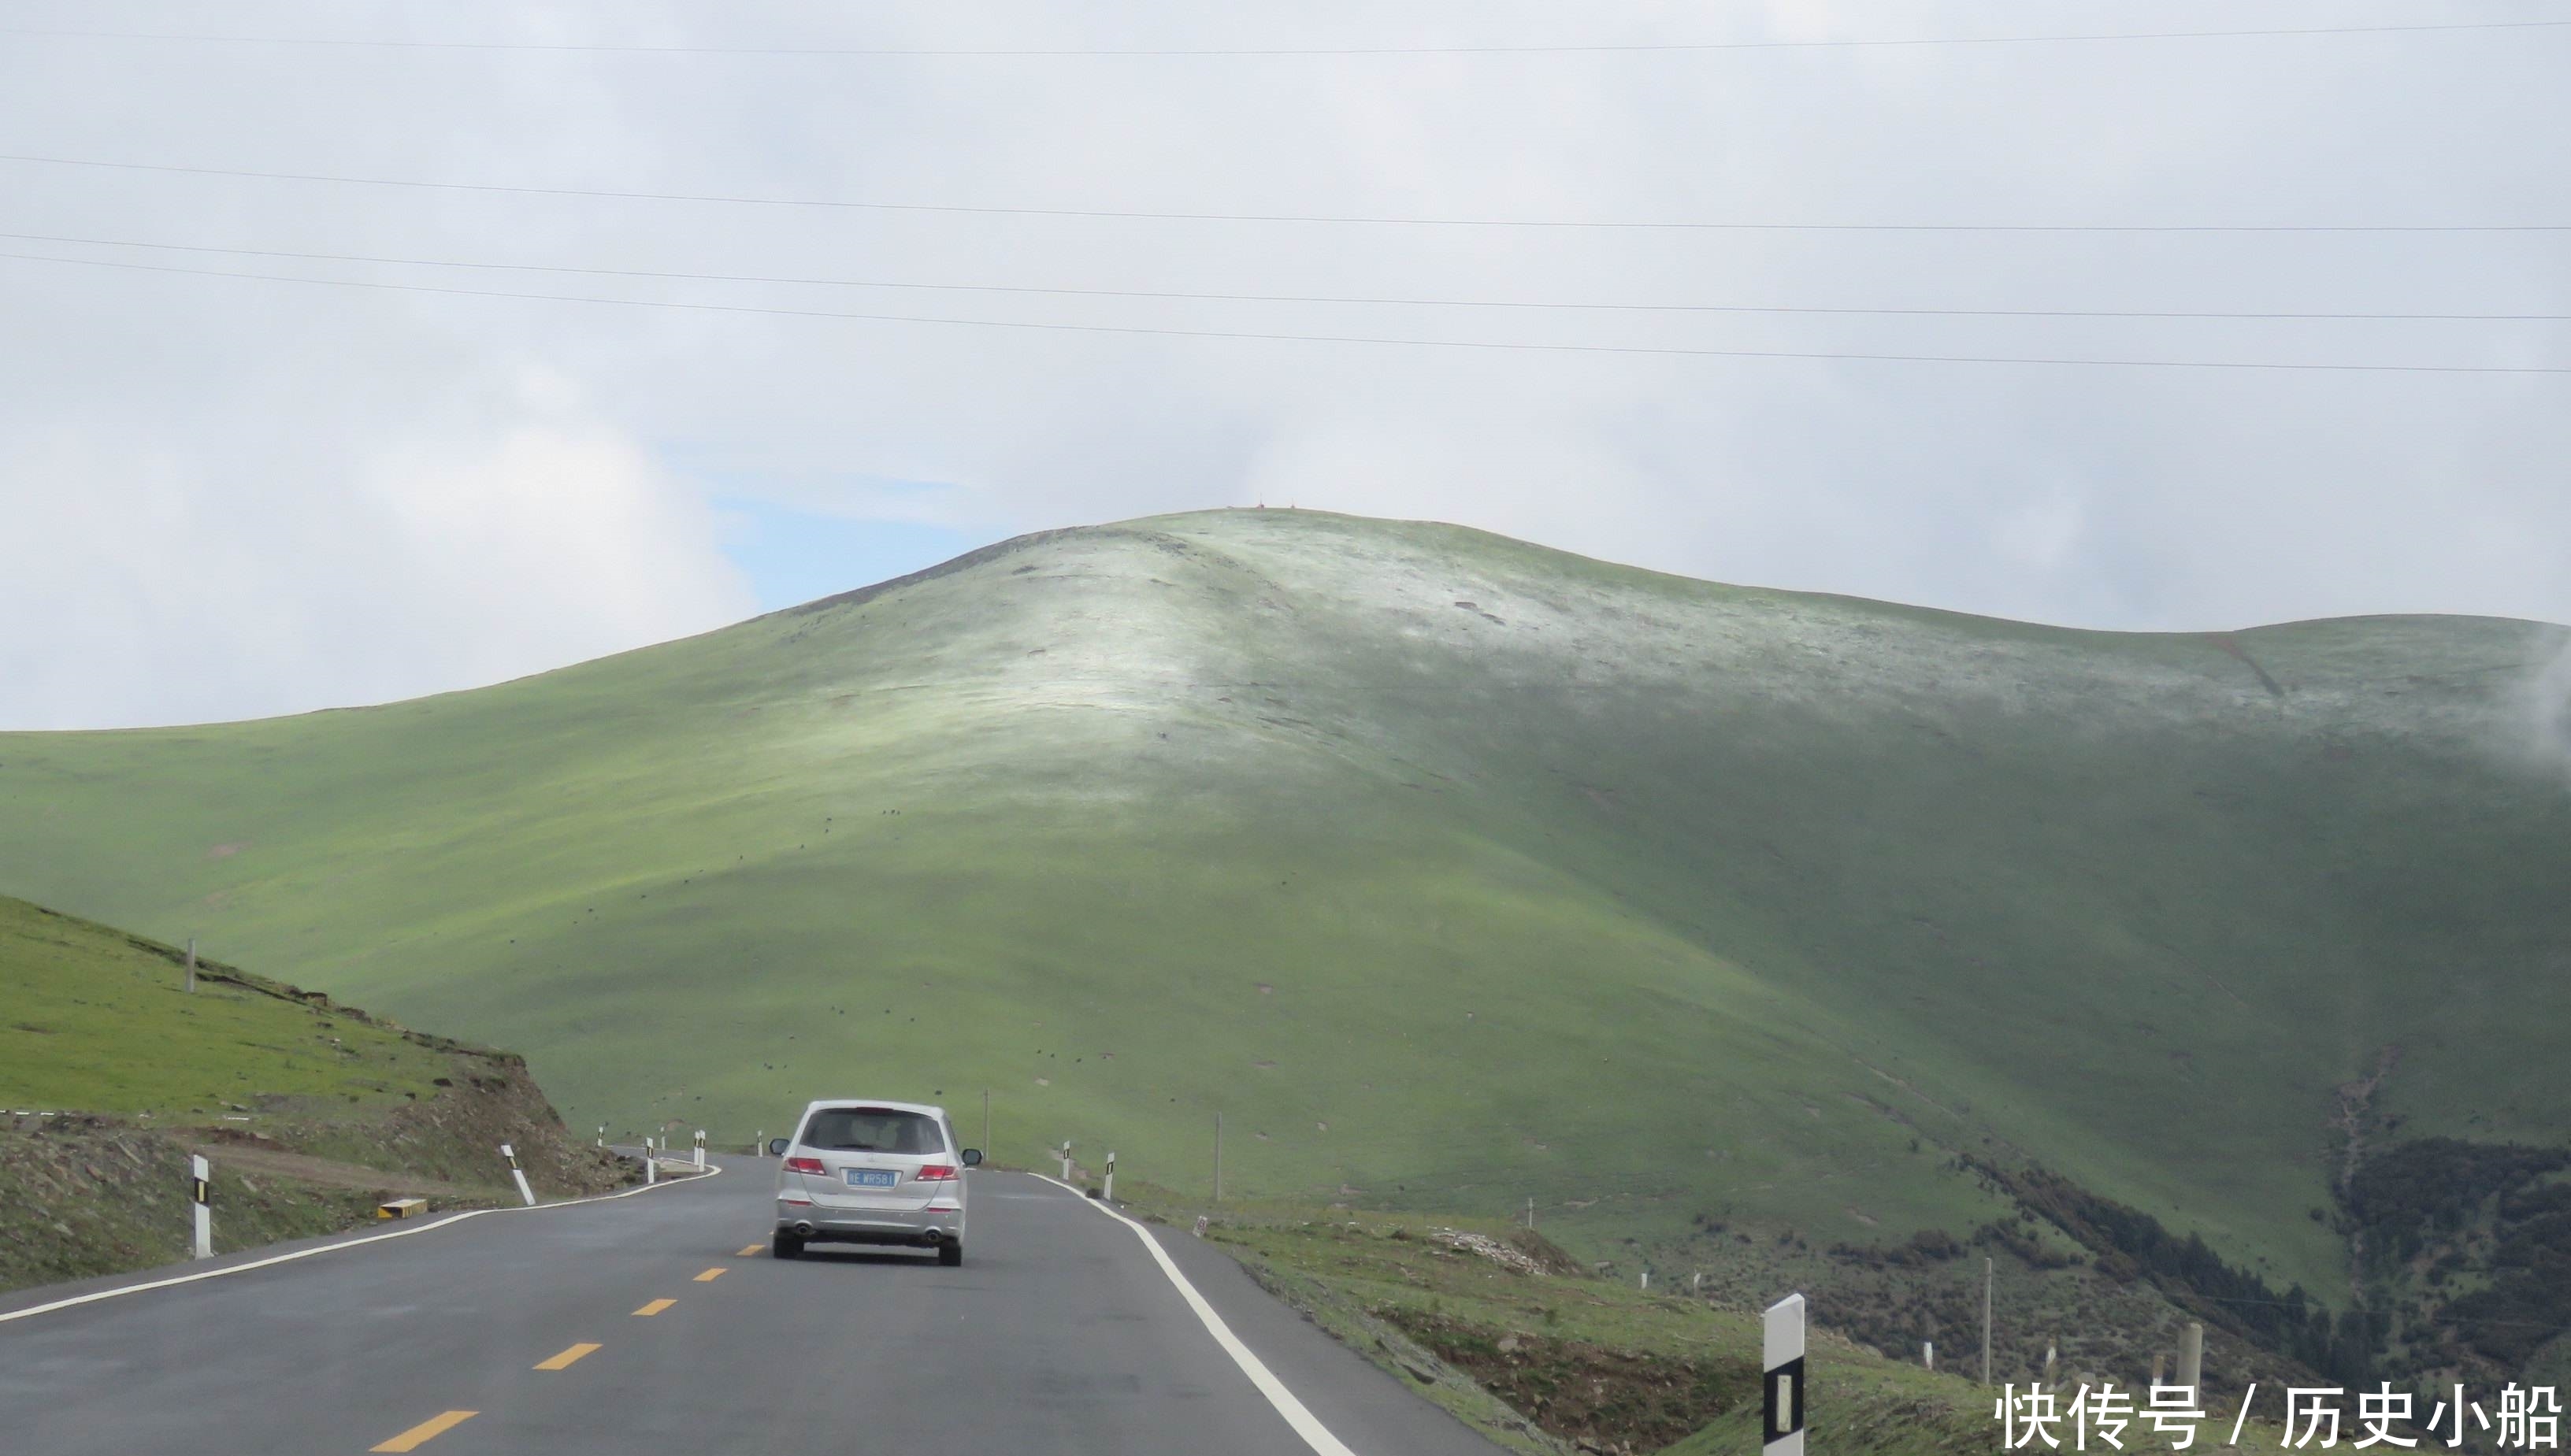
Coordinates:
<point>776,1146</point>
<point>972,1157</point>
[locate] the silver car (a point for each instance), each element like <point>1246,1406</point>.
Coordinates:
<point>873,1172</point>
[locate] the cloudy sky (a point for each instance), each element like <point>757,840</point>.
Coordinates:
<point>225,496</point>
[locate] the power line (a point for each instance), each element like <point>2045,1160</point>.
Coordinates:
<point>1510,346</point>
<point>1326,299</point>
<point>1138,214</point>
<point>1253,52</point>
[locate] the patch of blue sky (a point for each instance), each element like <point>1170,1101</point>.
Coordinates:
<point>792,554</point>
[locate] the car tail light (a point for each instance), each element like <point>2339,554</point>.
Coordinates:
<point>936,1172</point>
<point>804,1165</point>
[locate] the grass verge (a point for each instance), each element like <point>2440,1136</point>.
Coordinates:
<point>1521,1342</point>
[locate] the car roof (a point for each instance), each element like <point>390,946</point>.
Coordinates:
<point>927,1108</point>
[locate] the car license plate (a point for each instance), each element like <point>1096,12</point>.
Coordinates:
<point>872,1178</point>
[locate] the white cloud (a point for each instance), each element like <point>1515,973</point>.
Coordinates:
<point>549,544</point>
<point>156,587</point>
<point>2040,534</point>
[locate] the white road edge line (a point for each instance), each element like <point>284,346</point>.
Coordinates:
<point>241,1269</point>
<point>1305,1424</point>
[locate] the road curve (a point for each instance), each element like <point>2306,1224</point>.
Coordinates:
<point>1060,1335</point>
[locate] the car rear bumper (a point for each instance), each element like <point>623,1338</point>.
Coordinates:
<point>918,1228</point>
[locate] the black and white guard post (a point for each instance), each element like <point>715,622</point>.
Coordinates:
<point>201,1194</point>
<point>1782,1426</point>
<point>701,1147</point>
<point>1108,1191</point>
<point>519,1173</point>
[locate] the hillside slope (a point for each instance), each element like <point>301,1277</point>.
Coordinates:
<point>1455,871</point>
<point>112,1074</point>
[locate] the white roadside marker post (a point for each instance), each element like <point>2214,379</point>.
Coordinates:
<point>651,1168</point>
<point>1066,1159</point>
<point>1781,1353</point>
<point>1928,1355</point>
<point>701,1147</point>
<point>201,1194</point>
<point>602,1135</point>
<point>519,1173</point>
<point>1109,1191</point>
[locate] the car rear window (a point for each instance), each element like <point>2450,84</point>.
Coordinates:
<point>873,1130</point>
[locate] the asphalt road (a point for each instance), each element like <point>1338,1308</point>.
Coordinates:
<point>1061,1334</point>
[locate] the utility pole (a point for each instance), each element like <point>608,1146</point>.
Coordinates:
<point>1986,1321</point>
<point>1218,1158</point>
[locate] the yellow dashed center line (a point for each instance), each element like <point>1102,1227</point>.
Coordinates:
<point>569,1357</point>
<point>655,1307</point>
<point>751,1252</point>
<point>427,1431</point>
<point>709,1276</point>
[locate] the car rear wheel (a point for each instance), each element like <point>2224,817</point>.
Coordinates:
<point>951,1254</point>
<point>786,1245</point>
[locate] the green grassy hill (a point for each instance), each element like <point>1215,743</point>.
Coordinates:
<point>93,1020</point>
<point>113,1074</point>
<point>1455,871</point>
